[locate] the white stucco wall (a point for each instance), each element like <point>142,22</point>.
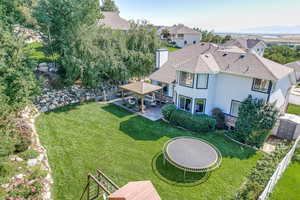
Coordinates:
<point>280,92</point>
<point>194,93</point>
<point>224,87</point>
<point>231,87</point>
<point>190,38</point>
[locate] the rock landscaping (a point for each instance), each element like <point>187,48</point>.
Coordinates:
<point>27,174</point>
<point>52,98</point>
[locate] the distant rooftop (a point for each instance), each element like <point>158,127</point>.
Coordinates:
<point>243,43</point>
<point>114,21</point>
<point>179,29</point>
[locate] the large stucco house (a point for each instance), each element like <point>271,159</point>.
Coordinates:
<point>249,45</point>
<point>201,77</point>
<point>182,35</point>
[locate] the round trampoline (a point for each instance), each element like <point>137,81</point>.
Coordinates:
<point>192,154</point>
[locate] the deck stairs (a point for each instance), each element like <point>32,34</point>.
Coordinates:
<point>98,187</point>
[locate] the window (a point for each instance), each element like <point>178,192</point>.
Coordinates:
<point>185,103</point>
<point>202,81</point>
<point>186,79</point>
<point>180,36</point>
<point>260,85</point>
<point>200,106</point>
<point>234,110</point>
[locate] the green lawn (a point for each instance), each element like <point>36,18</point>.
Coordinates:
<point>127,147</point>
<point>288,185</point>
<point>170,49</point>
<point>293,109</point>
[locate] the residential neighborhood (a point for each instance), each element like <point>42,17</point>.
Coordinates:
<point>134,100</point>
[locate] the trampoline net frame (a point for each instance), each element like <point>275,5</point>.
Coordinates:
<point>210,168</point>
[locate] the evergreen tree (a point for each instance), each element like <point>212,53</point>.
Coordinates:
<point>109,6</point>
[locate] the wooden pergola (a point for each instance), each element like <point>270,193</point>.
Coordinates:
<point>141,89</point>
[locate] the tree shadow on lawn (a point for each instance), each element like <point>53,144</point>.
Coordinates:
<point>174,176</point>
<point>140,128</point>
<point>68,108</point>
<point>116,110</point>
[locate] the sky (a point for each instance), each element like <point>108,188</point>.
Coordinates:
<point>217,15</point>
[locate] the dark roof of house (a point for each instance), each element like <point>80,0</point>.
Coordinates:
<point>114,21</point>
<point>210,58</point>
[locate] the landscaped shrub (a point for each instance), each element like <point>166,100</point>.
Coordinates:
<point>24,142</point>
<point>261,173</point>
<point>197,123</point>
<point>218,114</point>
<point>296,157</point>
<point>256,120</point>
<point>7,145</point>
<point>167,110</point>
<point>29,154</point>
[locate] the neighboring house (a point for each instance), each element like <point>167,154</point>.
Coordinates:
<point>250,45</point>
<point>202,77</point>
<point>114,21</point>
<point>296,66</point>
<point>182,35</point>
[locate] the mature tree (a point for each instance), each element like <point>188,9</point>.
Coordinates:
<point>16,71</point>
<point>10,12</point>
<point>109,5</point>
<point>210,36</point>
<point>59,19</point>
<point>282,54</point>
<point>166,34</point>
<point>256,119</point>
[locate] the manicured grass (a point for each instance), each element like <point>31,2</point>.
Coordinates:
<point>293,109</point>
<point>127,147</point>
<point>171,49</point>
<point>288,185</point>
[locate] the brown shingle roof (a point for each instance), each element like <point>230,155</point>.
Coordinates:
<point>141,88</point>
<point>208,58</point>
<point>140,190</point>
<point>294,65</point>
<point>243,43</point>
<point>167,73</point>
<point>114,21</point>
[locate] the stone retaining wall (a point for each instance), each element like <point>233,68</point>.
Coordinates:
<point>52,99</point>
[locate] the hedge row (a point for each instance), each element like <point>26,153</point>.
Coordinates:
<point>197,123</point>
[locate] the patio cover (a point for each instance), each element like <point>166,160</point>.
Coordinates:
<point>140,190</point>
<point>141,88</point>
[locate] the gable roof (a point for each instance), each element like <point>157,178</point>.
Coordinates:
<point>179,29</point>
<point>140,190</point>
<point>243,43</point>
<point>294,65</point>
<point>209,58</point>
<point>114,21</point>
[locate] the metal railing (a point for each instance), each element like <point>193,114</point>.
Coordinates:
<point>98,186</point>
<point>278,172</point>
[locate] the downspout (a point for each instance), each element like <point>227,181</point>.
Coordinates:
<point>269,91</point>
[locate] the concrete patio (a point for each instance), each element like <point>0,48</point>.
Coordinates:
<point>151,113</point>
